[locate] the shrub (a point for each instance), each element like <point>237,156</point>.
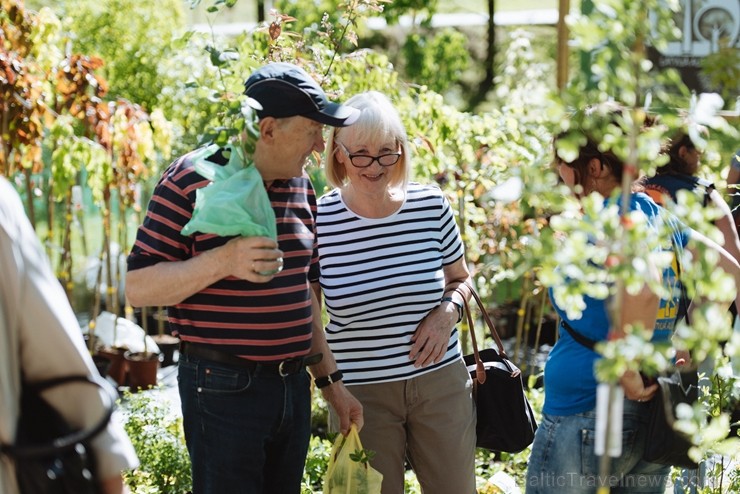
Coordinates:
<point>156,433</point>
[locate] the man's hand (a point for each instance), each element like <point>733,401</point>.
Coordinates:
<point>255,259</point>
<point>346,406</point>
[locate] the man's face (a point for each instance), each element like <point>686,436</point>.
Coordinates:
<point>295,139</point>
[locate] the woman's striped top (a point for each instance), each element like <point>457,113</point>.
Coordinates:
<point>260,321</point>
<point>380,278</point>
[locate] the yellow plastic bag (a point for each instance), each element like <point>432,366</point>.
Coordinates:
<point>235,202</point>
<point>350,476</point>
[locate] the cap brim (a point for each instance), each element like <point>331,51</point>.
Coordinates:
<point>335,115</point>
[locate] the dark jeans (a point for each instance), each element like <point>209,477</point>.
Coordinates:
<point>247,431</point>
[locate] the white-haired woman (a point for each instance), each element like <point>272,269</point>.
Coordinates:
<point>392,275</point>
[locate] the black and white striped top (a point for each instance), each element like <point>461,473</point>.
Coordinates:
<point>380,277</point>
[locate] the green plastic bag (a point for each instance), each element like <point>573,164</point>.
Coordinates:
<point>235,202</point>
<point>349,476</point>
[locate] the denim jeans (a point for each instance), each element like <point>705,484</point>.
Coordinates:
<point>246,432</point>
<point>563,459</point>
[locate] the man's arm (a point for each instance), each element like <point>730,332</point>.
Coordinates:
<point>171,282</point>
<point>347,407</point>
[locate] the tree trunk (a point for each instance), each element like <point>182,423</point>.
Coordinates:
<point>487,83</point>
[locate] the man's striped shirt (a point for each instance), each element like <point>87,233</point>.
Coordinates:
<point>260,321</point>
<point>381,277</point>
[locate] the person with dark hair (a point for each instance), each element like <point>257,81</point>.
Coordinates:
<point>242,306</point>
<point>563,455</point>
<point>394,276</point>
<point>40,339</point>
<point>680,173</point>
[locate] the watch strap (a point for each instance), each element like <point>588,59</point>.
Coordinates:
<point>322,382</point>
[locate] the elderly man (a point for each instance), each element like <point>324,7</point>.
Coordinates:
<point>242,307</point>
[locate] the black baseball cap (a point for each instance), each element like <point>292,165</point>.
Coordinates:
<point>286,90</point>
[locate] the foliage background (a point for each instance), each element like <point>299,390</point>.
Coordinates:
<point>163,90</point>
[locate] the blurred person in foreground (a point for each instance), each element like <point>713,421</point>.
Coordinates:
<point>563,458</point>
<point>393,276</point>
<point>40,339</point>
<point>242,306</point>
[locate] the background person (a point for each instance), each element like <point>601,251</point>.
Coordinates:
<point>733,182</point>
<point>680,173</point>
<point>247,335</point>
<point>40,339</point>
<point>392,274</point>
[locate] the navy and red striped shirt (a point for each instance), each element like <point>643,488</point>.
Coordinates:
<point>259,321</point>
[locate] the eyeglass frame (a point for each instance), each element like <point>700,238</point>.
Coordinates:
<point>352,157</point>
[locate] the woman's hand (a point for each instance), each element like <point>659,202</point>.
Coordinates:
<point>634,387</point>
<point>433,335</point>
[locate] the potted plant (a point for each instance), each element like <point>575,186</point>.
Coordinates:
<point>166,342</point>
<point>142,366</point>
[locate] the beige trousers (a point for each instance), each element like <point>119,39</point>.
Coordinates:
<point>429,420</point>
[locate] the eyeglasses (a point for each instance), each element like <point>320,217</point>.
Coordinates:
<point>365,160</point>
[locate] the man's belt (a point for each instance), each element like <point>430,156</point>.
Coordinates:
<point>283,368</point>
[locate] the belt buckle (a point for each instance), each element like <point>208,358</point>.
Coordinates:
<point>288,367</point>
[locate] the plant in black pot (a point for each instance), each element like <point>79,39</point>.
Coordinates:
<point>164,339</point>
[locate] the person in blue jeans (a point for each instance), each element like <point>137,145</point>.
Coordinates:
<point>563,458</point>
<point>242,306</point>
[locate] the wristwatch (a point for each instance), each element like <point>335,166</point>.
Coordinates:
<point>456,304</point>
<point>322,382</point>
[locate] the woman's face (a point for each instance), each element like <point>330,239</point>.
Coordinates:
<point>567,173</point>
<point>691,156</point>
<point>373,177</point>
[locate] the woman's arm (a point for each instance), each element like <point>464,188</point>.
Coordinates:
<point>726,225</point>
<point>433,334</point>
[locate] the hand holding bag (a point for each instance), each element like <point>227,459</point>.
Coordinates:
<point>664,444</point>
<point>50,457</point>
<point>347,473</point>
<point>505,418</point>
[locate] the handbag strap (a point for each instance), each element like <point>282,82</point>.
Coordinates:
<point>480,370</point>
<point>578,337</point>
<point>69,440</point>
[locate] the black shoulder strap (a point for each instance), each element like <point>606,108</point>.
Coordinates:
<point>684,301</point>
<point>30,395</point>
<point>583,340</point>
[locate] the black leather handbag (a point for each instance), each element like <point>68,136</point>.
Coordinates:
<point>505,418</point>
<point>50,457</point>
<point>666,445</point>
